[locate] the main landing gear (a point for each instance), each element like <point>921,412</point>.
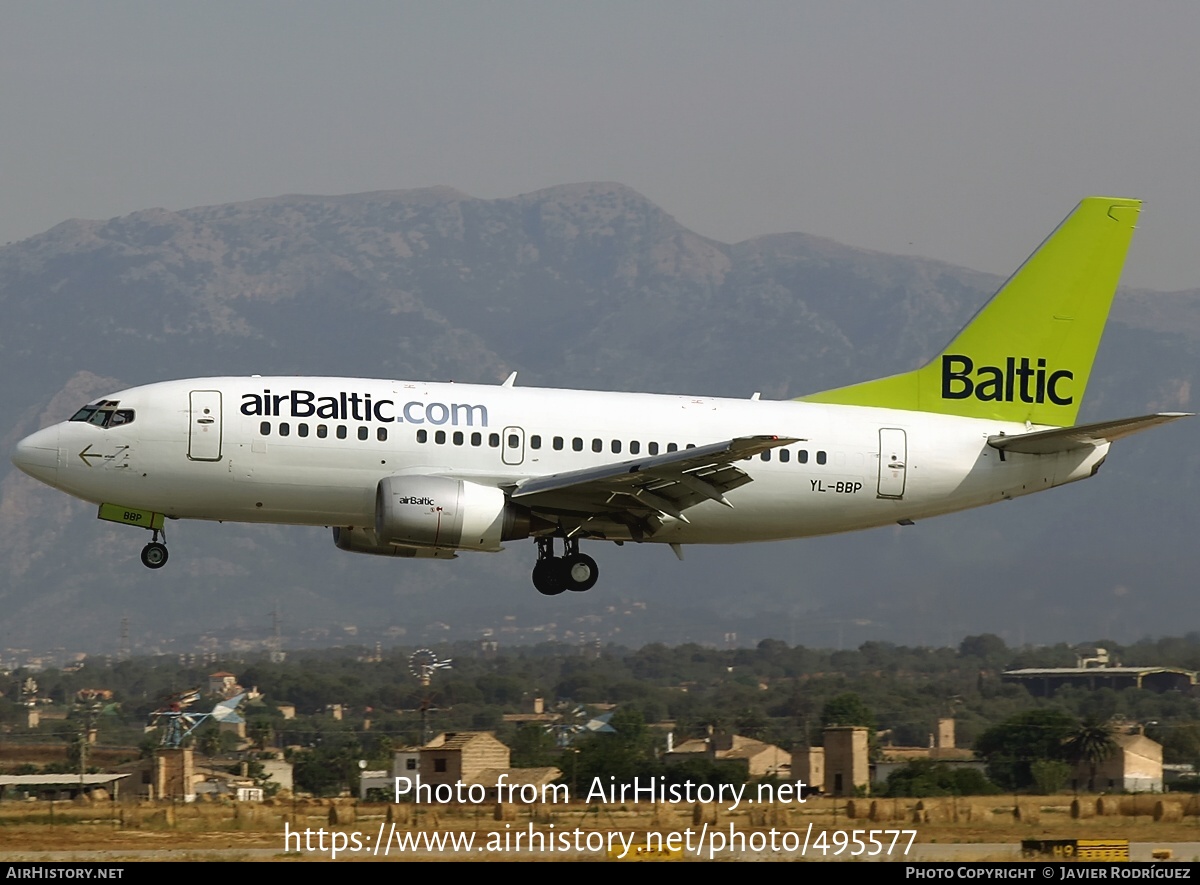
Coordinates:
<point>154,554</point>
<point>572,571</point>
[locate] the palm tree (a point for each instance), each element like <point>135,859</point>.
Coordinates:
<point>1091,742</point>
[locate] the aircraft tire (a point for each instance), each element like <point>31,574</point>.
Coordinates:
<point>580,572</point>
<point>154,555</point>
<point>549,576</point>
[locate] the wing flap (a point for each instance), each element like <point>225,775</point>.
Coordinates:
<point>1064,439</point>
<point>636,495</point>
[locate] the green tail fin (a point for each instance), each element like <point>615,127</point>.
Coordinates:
<point>1027,355</point>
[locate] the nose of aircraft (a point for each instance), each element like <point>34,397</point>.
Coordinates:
<point>37,455</point>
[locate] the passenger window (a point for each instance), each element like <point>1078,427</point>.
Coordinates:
<point>381,434</point>
<point>652,448</point>
<point>784,456</point>
<point>285,429</point>
<point>634,447</point>
<point>690,446</point>
<point>494,440</point>
<point>422,436</point>
<point>671,447</point>
<point>264,428</point>
<point>535,442</point>
<point>616,446</point>
<point>341,431</point>
<point>597,445</point>
<point>322,431</point>
<point>820,457</point>
<point>477,438</point>
<point>577,444</point>
<point>363,433</point>
<point>802,456</point>
<point>514,441</point>
<point>766,456</point>
<point>458,437</point>
<point>440,437</point>
<point>301,429</point>
<point>558,443</point>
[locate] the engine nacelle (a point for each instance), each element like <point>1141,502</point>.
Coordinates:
<point>364,541</point>
<point>436,511</point>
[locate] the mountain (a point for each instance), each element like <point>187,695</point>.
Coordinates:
<point>583,285</point>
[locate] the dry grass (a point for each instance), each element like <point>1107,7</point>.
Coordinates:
<point>207,826</point>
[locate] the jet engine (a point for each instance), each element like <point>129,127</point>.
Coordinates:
<point>440,512</point>
<point>355,540</point>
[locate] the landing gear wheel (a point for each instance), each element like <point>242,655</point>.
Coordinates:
<point>548,576</point>
<point>581,572</point>
<point>573,570</point>
<point>154,555</point>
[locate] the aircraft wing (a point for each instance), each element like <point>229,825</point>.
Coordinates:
<point>635,495</point>
<point>1063,439</point>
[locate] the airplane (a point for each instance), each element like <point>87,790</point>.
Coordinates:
<point>424,469</point>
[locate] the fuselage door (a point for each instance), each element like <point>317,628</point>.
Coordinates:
<point>893,455</point>
<point>204,428</point>
<point>512,445</point>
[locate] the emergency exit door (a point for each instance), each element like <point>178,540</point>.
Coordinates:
<point>893,457</point>
<point>204,427</point>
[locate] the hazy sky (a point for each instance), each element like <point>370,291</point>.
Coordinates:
<point>958,130</point>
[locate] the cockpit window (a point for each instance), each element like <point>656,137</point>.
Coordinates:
<point>104,413</point>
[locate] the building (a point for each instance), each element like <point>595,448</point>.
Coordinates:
<point>847,760</point>
<point>760,759</point>
<point>60,786</point>
<point>466,757</point>
<point>808,765</point>
<point>223,684</point>
<point>461,756</point>
<point>941,749</point>
<point>1136,766</point>
<point>1043,682</point>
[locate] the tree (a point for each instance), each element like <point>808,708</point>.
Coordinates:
<point>534,747</point>
<point>1012,746</point>
<point>923,777</point>
<point>1049,775</point>
<point>262,732</point>
<point>986,646</point>
<point>621,756</point>
<point>331,767</point>
<point>1180,741</point>
<point>847,709</point>
<point>1090,743</point>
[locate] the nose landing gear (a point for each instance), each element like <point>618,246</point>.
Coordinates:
<point>154,554</point>
<point>573,570</point>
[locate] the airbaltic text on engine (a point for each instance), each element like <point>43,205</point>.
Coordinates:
<point>1000,384</point>
<point>355,406</point>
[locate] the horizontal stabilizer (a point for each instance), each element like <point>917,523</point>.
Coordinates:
<point>1063,439</point>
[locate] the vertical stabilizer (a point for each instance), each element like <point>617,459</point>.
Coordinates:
<point>1027,355</point>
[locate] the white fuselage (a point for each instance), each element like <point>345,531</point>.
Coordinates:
<point>312,451</point>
